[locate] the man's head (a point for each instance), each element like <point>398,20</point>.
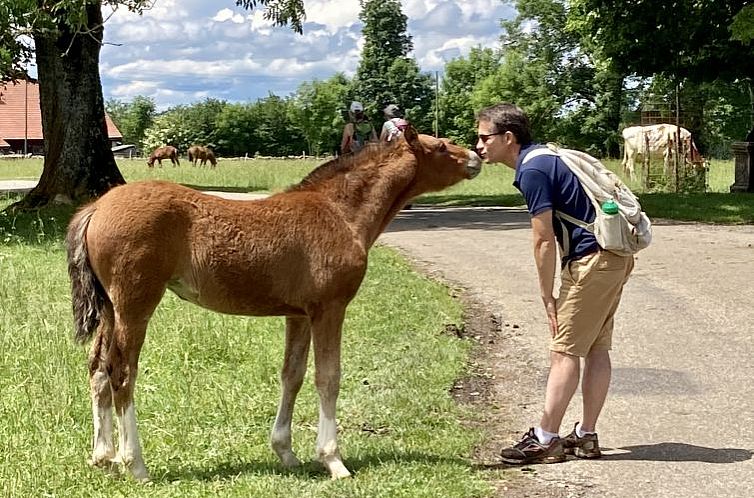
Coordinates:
<point>357,111</point>
<point>393,111</point>
<point>503,130</point>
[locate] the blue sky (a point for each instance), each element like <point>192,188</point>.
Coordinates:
<point>183,51</point>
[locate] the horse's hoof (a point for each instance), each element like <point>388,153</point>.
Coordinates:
<point>290,461</point>
<point>337,469</point>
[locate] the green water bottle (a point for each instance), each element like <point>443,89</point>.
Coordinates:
<point>609,207</point>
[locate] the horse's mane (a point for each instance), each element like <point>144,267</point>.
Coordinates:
<point>343,164</point>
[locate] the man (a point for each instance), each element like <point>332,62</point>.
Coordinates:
<point>358,131</point>
<point>581,318</point>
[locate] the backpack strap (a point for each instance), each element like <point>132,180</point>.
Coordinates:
<point>553,150</point>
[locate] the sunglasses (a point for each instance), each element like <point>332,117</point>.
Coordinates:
<point>486,138</point>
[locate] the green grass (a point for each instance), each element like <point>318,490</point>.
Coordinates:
<point>493,187</point>
<point>208,390</point>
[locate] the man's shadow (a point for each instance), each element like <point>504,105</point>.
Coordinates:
<point>679,452</point>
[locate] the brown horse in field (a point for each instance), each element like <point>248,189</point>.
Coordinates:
<point>203,154</point>
<point>301,253</point>
<point>160,153</point>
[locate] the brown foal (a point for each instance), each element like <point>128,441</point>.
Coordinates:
<point>301,254</point>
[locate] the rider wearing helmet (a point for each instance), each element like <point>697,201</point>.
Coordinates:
<point>358,131</point>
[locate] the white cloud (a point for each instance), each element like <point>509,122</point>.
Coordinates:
<point>183,49</point>
<point>333,15</point>
<point>228,15</point>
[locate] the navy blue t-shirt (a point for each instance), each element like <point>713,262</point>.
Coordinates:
<point>547,183</point>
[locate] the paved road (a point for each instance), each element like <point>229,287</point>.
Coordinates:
<point>17,186</point>
<point>680,418</point>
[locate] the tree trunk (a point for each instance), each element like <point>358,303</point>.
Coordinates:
<point>79,163</point>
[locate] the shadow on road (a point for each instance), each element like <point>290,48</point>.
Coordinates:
<point>680,452</point>
<point>464,218</point>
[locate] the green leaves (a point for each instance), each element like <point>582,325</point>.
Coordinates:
<point>682,38</point>
<point>386,74</point>
<point>743,25</point>
<point>280,12</point>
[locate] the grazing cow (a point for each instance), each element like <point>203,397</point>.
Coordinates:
<point>661,139</point>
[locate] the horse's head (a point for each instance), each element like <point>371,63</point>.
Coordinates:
<point>150,160</point>
<point>440,163</point>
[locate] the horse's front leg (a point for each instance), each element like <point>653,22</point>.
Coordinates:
<point>326,334</point>
<point>297,339</point>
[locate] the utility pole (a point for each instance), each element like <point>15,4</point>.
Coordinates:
<point>437,104</point>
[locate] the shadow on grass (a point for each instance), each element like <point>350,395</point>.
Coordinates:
<point>36,227</point>
<point>223,188</point>
<point>307,471</point>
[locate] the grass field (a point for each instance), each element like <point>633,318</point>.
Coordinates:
<point>491,188</point>
<point>208,390</point>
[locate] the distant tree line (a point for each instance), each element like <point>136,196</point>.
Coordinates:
<point>582,69</point>
<point>572,78</point>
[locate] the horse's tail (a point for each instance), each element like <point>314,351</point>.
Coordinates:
<point>88,296</point>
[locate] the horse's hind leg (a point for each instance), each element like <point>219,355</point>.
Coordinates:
<point>326,335</point>
<point>123,358</point>
<point>297,339</point>
<point>103,450</point>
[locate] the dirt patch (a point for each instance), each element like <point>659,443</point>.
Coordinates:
<point>497,374</point>
<point>491,365</point>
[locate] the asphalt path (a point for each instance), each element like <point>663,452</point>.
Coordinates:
<point>679,418</point>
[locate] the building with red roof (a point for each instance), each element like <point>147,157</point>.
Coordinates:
<point>21,119</point>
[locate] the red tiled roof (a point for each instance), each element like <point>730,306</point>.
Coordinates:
<point>12,125</point>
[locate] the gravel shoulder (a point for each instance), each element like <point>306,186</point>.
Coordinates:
<point>678,419</point>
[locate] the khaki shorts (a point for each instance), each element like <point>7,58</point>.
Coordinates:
<point>590,291</point>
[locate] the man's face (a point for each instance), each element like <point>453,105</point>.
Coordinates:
<point>493,146</point>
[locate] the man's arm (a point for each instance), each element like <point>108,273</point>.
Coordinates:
<point>545,256</point>
<point>345,141</point>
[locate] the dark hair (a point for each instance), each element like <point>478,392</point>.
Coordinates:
<point>508,117</point>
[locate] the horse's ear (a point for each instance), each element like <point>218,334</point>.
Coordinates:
<point>412,137</point>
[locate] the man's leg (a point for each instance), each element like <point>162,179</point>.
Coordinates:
<point>594,387</point>
<point>561,385</point>
<point>535,446</point>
